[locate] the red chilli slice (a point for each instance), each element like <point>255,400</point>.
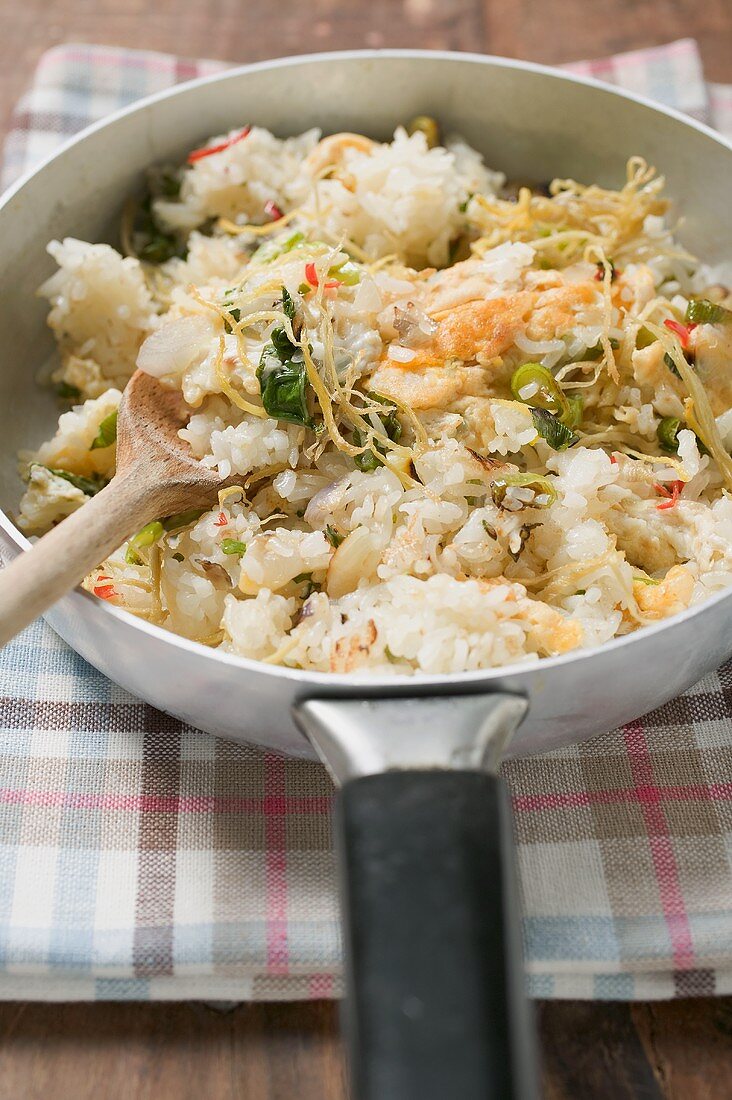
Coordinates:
<point>682,331</point>
<point>221,520</point>
<point>209,150</point>
<point>104,591</point>
<point>677,488</point>
<point>311,274</point>
<point>272,210</point>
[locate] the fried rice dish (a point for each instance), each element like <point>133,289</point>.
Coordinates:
<point>464,422</point>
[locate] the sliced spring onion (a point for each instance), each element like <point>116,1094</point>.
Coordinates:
<point>107,433</point>
<point>576,407</point>
<point>700,311</point>
<point>348,273</point>
<point>550,427</point>
<point>644,338</point>
<point>544,492</point>
<point>536,386</point>
<point>233,546</point>
<point>597,351</point>
<point>270,250</point>
<point>425,124</point>
<point>667,432</point>
<point>149,535</point>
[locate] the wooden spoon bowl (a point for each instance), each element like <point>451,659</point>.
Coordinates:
<point>156,476</point>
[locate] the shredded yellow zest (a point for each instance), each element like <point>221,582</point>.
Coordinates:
<point>708,431</point>
<point>228,389</point>
<point>228,226</point>
<point>574,224</point>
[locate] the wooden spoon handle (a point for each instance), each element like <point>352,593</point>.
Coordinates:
<point>63,557</point>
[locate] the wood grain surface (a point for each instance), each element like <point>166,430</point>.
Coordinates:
<point>678,1050</point>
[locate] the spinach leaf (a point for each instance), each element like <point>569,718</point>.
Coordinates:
<point>282,373</point>
<point>284,391</point>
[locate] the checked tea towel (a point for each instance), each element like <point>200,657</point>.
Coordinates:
<point>141,859</point>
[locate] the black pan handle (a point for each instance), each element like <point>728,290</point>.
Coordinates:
<point>436,1008</point>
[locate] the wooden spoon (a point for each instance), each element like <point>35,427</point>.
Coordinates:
<point>156,476</point>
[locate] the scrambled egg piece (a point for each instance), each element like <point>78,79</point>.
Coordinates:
<point>673,594</point>
<point>47,500</point>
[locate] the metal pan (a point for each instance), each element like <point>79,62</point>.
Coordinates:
<point>434,973</point>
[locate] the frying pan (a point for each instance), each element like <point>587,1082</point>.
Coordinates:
<point>436,1008</point>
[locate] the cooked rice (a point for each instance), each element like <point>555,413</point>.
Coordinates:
<point>407,504</point>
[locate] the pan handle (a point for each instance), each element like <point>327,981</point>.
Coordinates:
<point>436,1007</point>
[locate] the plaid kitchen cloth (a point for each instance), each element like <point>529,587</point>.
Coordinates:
<point>141,859</point>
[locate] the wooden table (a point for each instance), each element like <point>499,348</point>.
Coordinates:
<point>678,1050</point>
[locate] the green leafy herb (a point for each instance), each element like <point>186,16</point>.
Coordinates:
<point>152,241</point>
<point>148,536</point>
<point>182,519</point>
<point>550,427</point>
<point>301,578</point>
<point>107,433</point>
<point>390,656</point>
<point>159,248</point>
<point>282,373</point>
<point>88,485</point>
<point>284,392</point>
<point>164,181</point>
<point>370,460</point>
<point>67,391</point>
<point>178,557</point>
<point>671,365</point>
<point>335,538</point>
<point>233,546</point>
<point>700,311</point>
<point>646,580</point>
<point>489,530</point>
<point>288,305</point>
